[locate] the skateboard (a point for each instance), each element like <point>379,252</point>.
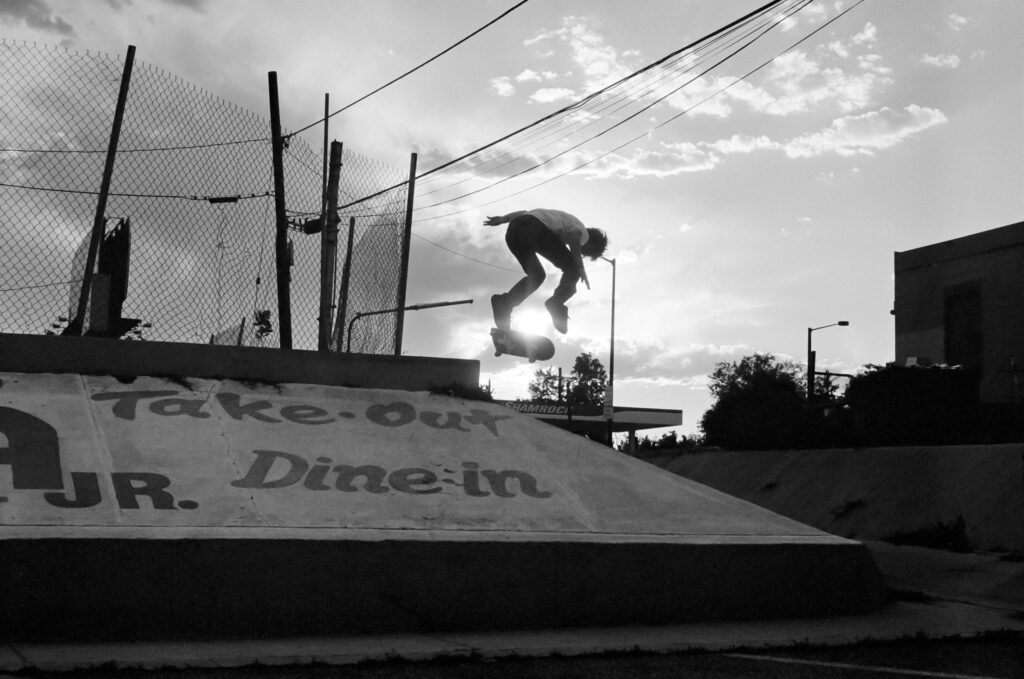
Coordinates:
<point>532,347</point>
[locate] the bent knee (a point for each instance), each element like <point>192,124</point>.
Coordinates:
<point>535,272</point>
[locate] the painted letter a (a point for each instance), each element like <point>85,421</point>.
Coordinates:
<point>33,450</point>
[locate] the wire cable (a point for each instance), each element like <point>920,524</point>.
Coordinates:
<point>655,127</point>
<point>620,122</point>
<point>577,104</point>
<point>465,256</point>
<point>412,70</point>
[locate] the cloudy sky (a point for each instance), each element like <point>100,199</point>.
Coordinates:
<point>741,209</point>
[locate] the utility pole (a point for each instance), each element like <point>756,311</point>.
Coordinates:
<point>329,249</point>
<point>99,221</point>
<point>284,304</point>
<point>403,280</point>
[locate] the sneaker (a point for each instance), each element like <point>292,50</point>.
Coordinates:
<point>502,312</point>
<point>559,315</point>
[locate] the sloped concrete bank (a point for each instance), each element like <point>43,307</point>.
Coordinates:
<point>878,493</point>
<point>184,507</point>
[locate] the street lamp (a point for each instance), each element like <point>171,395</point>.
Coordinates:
<point>810,357</point>
<point>609,410</point>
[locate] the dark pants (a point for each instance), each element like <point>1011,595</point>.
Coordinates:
<point>527,237</point>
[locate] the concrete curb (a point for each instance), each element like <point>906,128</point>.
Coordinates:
<point>897,621</point>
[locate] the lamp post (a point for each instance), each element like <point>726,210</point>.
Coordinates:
<point>609,409</point>
<point>810,357</point>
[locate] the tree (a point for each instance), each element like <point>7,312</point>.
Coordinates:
<point>544,386</point>
<point>589,380</point>
<point>758,403</point>
<point>587,383</point>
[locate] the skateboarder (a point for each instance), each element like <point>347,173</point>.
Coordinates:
<point>558,237</point>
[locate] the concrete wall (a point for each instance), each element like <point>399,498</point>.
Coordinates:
<point>124,359</point>
<point>180,507</point>
<point>164,589</point>
<point>874,493</point>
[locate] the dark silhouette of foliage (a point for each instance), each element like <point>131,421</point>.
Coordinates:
<point>898,405</point>
<point>589,380</point>
<point>759,403</point>
<point>669,441</point>
<point>585,385</point>
<point>544,386</point>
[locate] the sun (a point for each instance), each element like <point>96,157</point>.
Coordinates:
<point>532,320</point>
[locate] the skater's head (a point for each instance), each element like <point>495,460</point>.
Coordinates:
<point>597,243</point>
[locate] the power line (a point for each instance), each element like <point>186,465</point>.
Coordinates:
<point>41,285</point>
<point>617,124</point>
<point>581,102</point>
<point>462,254</point>
<point>291,134</point>
<point>189,147</point>
<point>81,192</point>
<point>639,86</point>
<point>412,70</point>
<point>655,127</point>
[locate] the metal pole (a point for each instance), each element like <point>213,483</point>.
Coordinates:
<point>610,395</point>
<point>406,239</point>
<point>284,306</point>
<point>329,249</point>
<point>345,273</point>
<point>99,220</point>
<point>810,367</point>
<point>324,178</point>
<point>414,307</point>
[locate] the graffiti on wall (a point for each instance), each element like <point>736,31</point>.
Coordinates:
<point>31,450</point>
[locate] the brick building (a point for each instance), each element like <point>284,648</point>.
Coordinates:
<point>961,302</point>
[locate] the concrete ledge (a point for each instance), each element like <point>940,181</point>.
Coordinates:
<point>123,359</point>
<point>122,589</point>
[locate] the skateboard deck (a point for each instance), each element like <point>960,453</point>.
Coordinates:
<point>531,347</point>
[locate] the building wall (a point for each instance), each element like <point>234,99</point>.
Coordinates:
<point>959,302</point>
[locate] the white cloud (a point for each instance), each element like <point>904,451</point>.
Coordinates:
<point>695,94</point>
<point>956,22</point>
<point>814,13</point>
<point>548,94</point>
<point>839,49</point>
<point>502,86</point>
<point>741,143</point>
<point>949,61</point>
<point>867,36</point>
<point>529,75</point>
<point>600,63</point>
<point>866,133</point>
<point>668,161</point>
<point>798,84</point>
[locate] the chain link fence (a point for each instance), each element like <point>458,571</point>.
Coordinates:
<point>194,176</point>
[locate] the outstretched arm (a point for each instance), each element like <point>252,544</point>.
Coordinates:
<point>577,258</point>
<point>503,219</point>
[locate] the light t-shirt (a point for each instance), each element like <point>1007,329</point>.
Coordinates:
<point>567,226</point>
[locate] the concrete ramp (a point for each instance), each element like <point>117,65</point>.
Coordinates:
<point>155,507</point>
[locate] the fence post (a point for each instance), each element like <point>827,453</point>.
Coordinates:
<point>345,274</point>
<point>329,249</point>
<point>284,305</point>
<point>403,279</point>
<point>77,324</point>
